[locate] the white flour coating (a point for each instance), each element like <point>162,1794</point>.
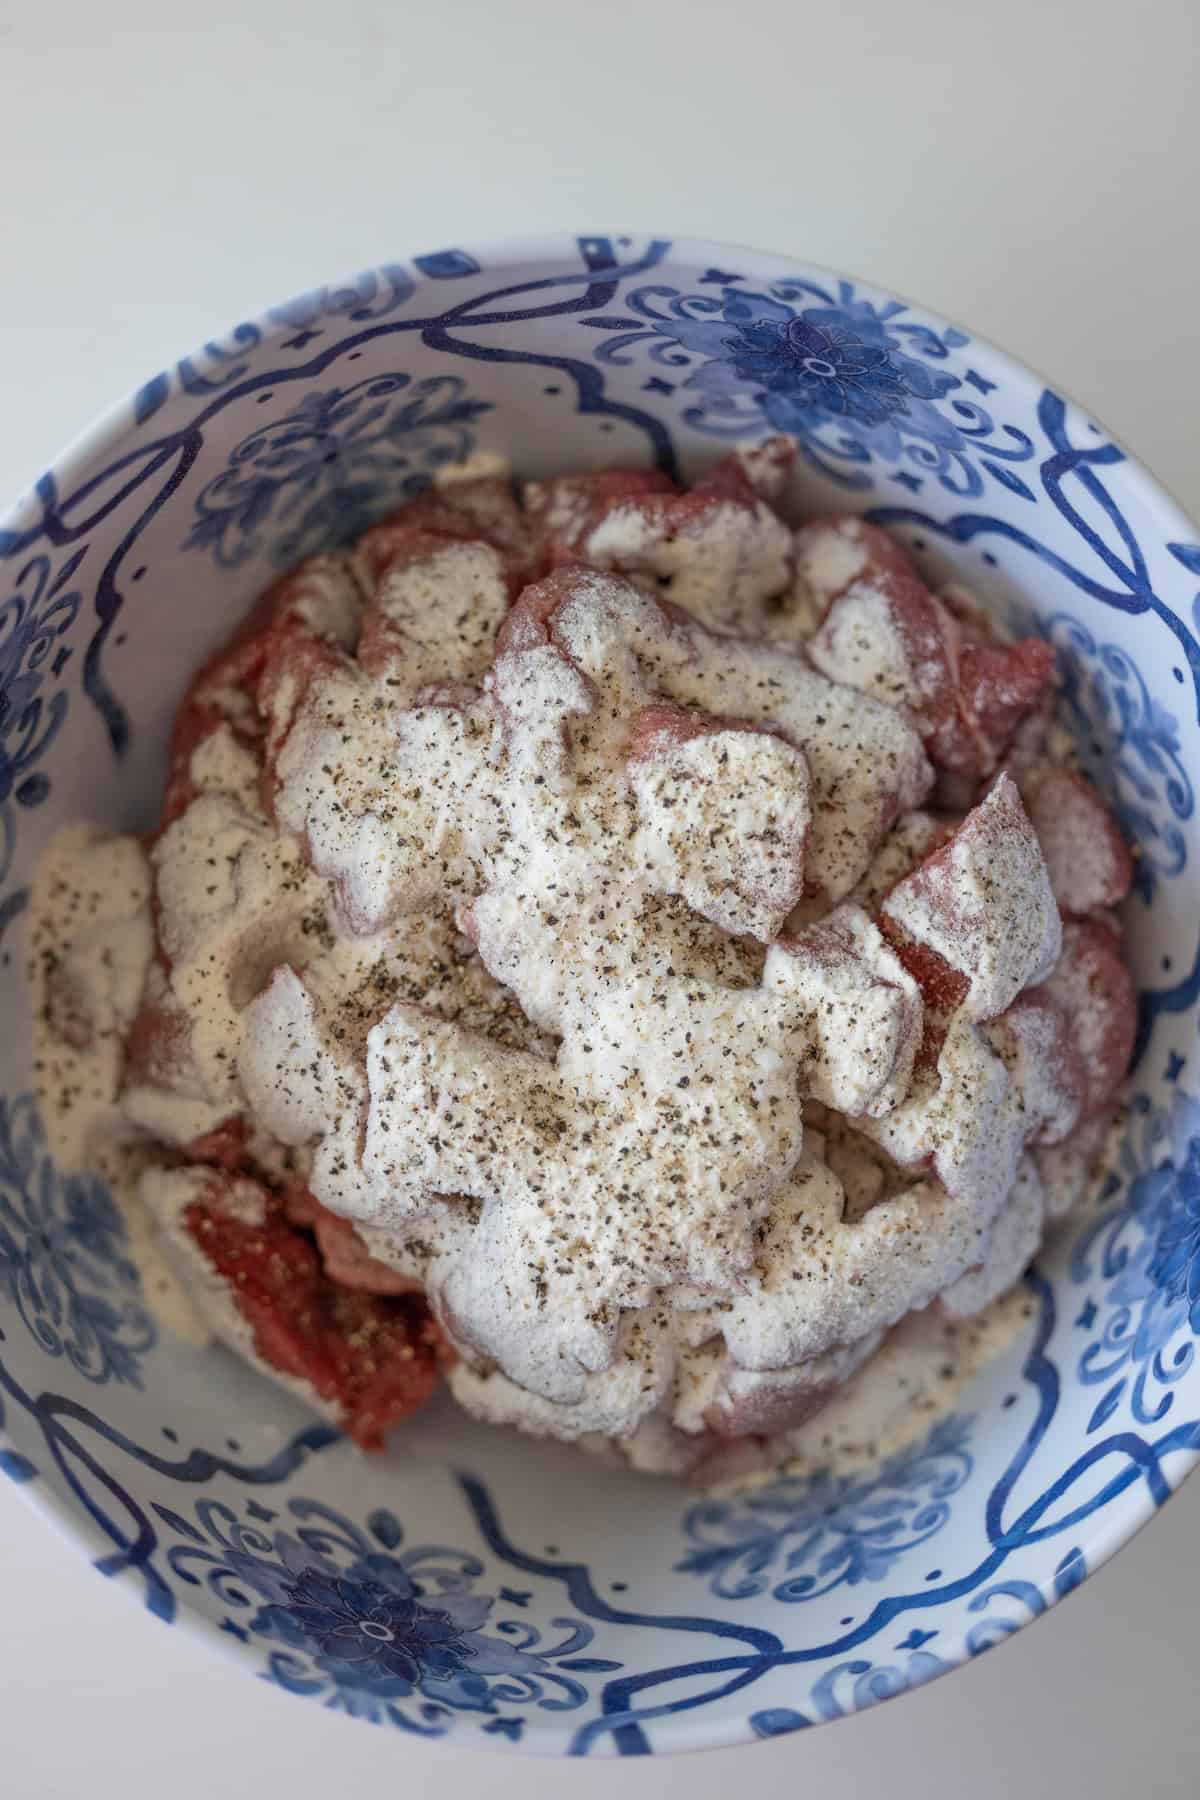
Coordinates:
<point>824,1281</point>
<point>829,558</point>
<point>913,837</point>
<point>91,941</point>
<point>1011,1246</point>
<point>618,1172</point>
<point>476,467</point>
<point>1070,1170</point>
<point>722,566</point>
<point>745,797</point>
<point>971,1118</point>
<point>865,761</point>
<point>399,804</point>
<point>508,979</point>
<point>222,765</point>
<point>417,642</point>
<point>863,644</point>
<point>325,597</point>
<point>671,1112</point>
<point>1085,860</point>
<point>235,900</point>
<point>768,467</point>
<point>918,1375</point>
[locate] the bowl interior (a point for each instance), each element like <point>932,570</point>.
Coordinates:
<point>470,1584</point>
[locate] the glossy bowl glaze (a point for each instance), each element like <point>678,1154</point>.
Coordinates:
<point>472,1585</point>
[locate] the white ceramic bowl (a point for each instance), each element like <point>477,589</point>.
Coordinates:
<point>473,1585</point>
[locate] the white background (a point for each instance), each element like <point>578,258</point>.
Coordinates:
<point>1028,168</point>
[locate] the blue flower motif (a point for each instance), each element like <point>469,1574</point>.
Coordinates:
<point>829,1529</point>
<point>1174,1266</point>
<point>35,616</point>
<point>370,1627</point>
<point>807,369</point>
<point>823,363</point>
<point>64,1261</point>
<point>1130,745</point>
<point>366,1635</point>
<point>1149,1259</point>
<point>838,374</point>
<point>328,468</point>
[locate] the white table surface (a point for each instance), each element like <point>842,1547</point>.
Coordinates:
<point>1029,168</point>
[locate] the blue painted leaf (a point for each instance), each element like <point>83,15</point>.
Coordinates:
<point>885,1508</point>
<point>954,338</point>
<point>1107,1405</point>
<point>1070,1572</point>
<point>447,265</point>
<point>698,1562</point>
<point>1007,479</point>
<point>774,1721</point>
<point>589,1665</point>
<point>1188,555</point>
<point>386,1527</point>
<point>183,1526</point>
<point>287,1676</point>
<point>509,1728</point>
<point>16,1466</point>
<point>150,397</point>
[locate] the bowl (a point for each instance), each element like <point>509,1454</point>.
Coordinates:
<point>470,1585</point>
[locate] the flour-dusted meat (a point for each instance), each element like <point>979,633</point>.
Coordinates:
<point>1088,859</point>
<point>1095,989</point>
<point>482,510</point>
<point>983,904</point>
<point>718,550</point>
<point>645,962</point>
<point>317,604</point>
<point>887,633</point>
<point>834,553</point>
<point>371,1359</point>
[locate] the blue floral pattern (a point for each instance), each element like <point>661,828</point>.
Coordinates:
<point>35,617</point>
<point>830,1528</point>
<point>815,1597</point>
<point>857,1682</point>
<point>1130,745</point>
<point>64,1262</point>
<point>328,468</point>
<point>367,1623</point>
<point>855,382</point>
<point>1142,1259</point>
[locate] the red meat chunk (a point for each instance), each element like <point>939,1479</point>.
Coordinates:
<point>834,552</point>
<point>566,510</point>
<point>482,510</point>
<point>375,1358</point>
<point>1088,859</point>
<point>966,691</point>
<point>1097,993</point>
<point>284,626</point>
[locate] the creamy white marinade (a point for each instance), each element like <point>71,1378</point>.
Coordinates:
<point>600,957</point>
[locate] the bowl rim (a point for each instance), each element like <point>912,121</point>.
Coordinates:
<point>677,1733</point>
